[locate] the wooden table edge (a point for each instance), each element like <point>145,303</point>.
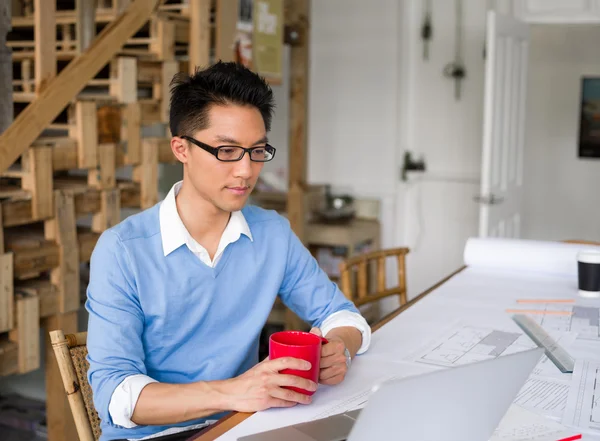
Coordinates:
<point>233,419</point>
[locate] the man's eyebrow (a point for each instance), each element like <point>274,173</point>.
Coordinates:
<point>228,140</point>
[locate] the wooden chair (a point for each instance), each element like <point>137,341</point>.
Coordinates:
<point>71,352</point>
<point>355,272</point>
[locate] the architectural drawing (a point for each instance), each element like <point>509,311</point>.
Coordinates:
<point>468,344</point>
<point>583,405</point>
<point>584,320</point>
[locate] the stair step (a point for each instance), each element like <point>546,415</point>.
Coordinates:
<point>64,17</point>
<point>53,140</point>
<point>30,55</point>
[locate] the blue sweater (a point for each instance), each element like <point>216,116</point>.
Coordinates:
<point>178,320</point>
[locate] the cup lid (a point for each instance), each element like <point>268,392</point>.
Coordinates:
<point>589,256</point>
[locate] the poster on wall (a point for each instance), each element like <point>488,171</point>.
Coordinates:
<point>259,37</point>
<point>589,120</point>
<point>243,38</point>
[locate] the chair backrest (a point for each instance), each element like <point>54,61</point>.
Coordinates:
<point>354,276</point>
<point>71,352</point>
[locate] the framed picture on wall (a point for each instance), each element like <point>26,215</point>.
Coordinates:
<point>589,118</point>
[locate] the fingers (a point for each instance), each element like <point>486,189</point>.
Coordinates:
<point>282,363</point>
<point>334,347</point>
<point>277,402</point>
<point>333,375</point>
<point>295,381</point>
<point>333,380</point>
<point>290,396</point>
<point>333,360</point>
<point>316,331</point>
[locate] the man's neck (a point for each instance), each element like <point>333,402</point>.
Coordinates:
<point>201,218</point>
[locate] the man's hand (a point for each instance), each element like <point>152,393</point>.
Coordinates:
<point>333,360</point>
<point>261,388</point>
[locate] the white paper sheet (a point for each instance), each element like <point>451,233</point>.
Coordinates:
<point>583,405</point>
<point>464,344</point>
<point>545,396</point>
<point>520,424</point>
<point>555,258</point>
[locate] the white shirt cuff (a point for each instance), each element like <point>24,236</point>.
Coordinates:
<point>349,318</point>
<point>124,398</point>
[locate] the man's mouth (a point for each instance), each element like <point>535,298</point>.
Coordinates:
<point>239,190</point>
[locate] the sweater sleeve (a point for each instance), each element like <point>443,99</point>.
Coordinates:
<point>116,321</point>
<point>308,291</point>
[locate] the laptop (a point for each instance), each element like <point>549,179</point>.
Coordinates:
<point>464,403</point>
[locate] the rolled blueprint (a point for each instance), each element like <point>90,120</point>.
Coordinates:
<point>555,258</point>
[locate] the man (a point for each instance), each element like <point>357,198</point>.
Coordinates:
<point>179,293</point>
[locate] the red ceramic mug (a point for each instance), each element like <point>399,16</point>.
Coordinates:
<point>297,344</point>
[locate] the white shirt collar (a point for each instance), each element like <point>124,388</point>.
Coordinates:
<point>174,234</point>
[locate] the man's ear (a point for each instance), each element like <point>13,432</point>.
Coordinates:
<point>180,149</point>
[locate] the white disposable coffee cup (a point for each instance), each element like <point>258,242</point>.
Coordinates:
<point>588,264</point>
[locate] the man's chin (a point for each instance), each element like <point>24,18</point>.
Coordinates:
<point>234,205</point>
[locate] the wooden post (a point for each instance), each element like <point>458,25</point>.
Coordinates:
<point>199,34</point>
<point>146,174</point>
<point>45,43</point>
<point>6,284</point>
<point>61,425</point>
<point>226,20</point>
<point>66,41</point>
<point>84,128</point>
<point>110,211</point>
<point>85,25</point>
<point>6,292</point>
<point>28,85</point>
<point>297,15</point>
<point>123,79</point>
<point>131,132</point>
<point>104,175</point>
<point>169,69</point>
<point>37,179</point>
<point>63,229</point>
<point>6,101</point>
<point>27,332</point>
<point>162,32</point>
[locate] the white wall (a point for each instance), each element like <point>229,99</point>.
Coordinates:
<point>352,135</point>
<point>372,96</point>
<point>561,190</point>
<point>439,213</point>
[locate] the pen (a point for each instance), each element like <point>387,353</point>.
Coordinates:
<point>570,438</point>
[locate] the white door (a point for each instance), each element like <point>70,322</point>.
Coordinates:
<point>507,47</point>
<point>557,11</point>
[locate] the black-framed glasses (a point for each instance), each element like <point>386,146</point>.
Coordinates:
<point>232,153</point>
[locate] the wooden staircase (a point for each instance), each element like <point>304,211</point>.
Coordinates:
<point>76,155</point>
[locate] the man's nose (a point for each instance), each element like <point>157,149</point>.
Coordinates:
<point>243,167</point>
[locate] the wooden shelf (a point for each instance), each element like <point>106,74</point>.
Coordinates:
<point>344,234</point>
